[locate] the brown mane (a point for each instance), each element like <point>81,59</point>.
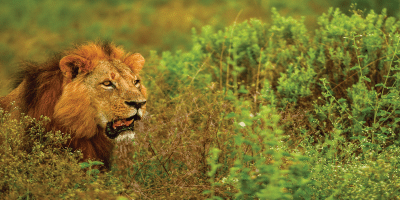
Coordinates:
<point>40,87</point>
<point>43,87</point>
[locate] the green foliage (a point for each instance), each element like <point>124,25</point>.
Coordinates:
<point>259,165</point>
<point>213,162</point>
<point>341,173</point>
<point>344,51</point>
<point>243,54</point>
<point>344,77</point>
<point>359,115</point>
<point>295,83</point>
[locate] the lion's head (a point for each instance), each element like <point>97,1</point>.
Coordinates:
<point>94,92</point>
<point>102,88</point>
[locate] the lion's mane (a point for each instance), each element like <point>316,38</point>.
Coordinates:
<point>47,89</point>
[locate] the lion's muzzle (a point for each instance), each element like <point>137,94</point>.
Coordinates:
<point>116,127</point>
<point>138,105</point>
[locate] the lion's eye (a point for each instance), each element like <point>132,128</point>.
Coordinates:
<point>137,83</point>
<point>108,84</point>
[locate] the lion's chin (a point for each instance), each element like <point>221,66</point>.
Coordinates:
<point>114,128</point>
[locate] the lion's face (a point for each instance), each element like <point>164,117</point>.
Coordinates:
<point>101,89</point>
<point>117,96</point>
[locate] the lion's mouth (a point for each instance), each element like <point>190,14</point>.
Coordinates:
<point>116,127</point>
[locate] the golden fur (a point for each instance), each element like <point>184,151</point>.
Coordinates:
<point>92,92</point>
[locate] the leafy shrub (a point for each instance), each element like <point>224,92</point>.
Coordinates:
<point>255,163</point>
<point>344,78</point>
<point>241,54</point>
<point>296,83</point>
<point>344,51</point>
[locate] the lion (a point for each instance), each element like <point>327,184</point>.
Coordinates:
<point>92,92</point>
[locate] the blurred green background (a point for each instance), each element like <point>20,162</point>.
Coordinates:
<point>34,29</point>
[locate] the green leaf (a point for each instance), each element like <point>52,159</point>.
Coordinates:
<point>92,172</point>
<point>367,109</point>
<point>366,78</point>
<point>354,68</point>
<point>243,90</point>
<point>230,115</point>
<point>206,192</point>
<point>84,165</point>
<point>96,163</point>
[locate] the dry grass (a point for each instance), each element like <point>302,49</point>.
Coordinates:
<point>168,157</point>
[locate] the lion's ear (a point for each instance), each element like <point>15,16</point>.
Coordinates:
<point>71,65</point>
<point>135,62</point>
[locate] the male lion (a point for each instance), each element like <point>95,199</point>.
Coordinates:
<point>93,92</point>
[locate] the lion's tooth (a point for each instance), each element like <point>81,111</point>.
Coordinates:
<point>127,123</point>
<point>117,123</point>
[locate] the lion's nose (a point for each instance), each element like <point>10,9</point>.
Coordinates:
<point>136,104</point>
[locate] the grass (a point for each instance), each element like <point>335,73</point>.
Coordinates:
<point>252,111</point>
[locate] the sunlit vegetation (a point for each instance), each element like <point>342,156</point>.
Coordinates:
<point>272,107</point>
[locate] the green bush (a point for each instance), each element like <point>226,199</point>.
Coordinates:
<point>256,163</point>
<point>354,55</point>
<point>344,79</point>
